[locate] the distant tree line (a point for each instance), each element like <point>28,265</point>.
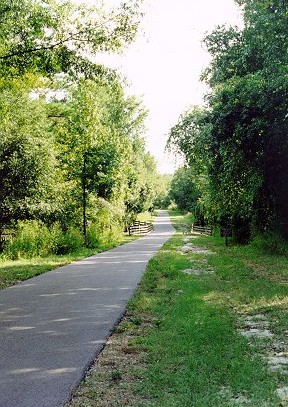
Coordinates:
<point>236,146</point>
<point>72,153</point>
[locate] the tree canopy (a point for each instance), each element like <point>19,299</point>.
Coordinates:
<point>55,36</point>
<point>240,136</point>
<point>71,141</point>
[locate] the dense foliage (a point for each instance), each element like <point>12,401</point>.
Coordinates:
<point>73,163</point>
<point>239,139</point>
<point>183,190</point>
<point>54,36</point>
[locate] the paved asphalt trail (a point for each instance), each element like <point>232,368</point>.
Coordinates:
<point>52,326</point>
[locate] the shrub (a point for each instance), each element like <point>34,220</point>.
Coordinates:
<point>106,224</point>
<point>92,238</point>
<point>271,243</point>
<point>69,241</point>
<point>32,238</point>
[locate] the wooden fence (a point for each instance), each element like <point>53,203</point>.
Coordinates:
<point>201,230</point>
<point>5,238</point>
<point>140,228</point>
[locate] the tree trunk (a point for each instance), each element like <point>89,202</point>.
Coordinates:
<point>84,198</point>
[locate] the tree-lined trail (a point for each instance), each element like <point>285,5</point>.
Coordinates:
<point>53,325</point>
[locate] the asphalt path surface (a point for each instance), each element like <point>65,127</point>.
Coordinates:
<point>52,326</point>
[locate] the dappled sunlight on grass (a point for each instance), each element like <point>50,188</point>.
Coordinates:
<point>198,314</point>
<point>264,304</point>
<point>216,298</point>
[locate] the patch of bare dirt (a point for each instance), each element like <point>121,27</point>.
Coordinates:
<point>236,399</point>
<point>190,247</point>
<point>255,326</point>
<point>198,271</point>
<point>109,382</point>
<point>274,351</point>
<point>282,393</point>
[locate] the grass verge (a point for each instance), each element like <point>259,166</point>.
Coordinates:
<point>207,327</point>
<point>14,271</point>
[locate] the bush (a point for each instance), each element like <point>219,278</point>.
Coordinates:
<point>92,238</point>
<point>103,231</point>
<point>271,243</point>
<point>69,241</point>
<point>105,224</point>
<point>32,238</point>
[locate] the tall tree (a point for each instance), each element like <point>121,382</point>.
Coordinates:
<point>55,36</point>
<point>191,137</point>
<point>183,190</point>
<point>27,154</point>
<point>249,115</point>
<point>90,136</point>
<point>245,122</point>
<point>96,132</point>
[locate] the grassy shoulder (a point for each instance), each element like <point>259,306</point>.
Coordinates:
<point>207,327</point>
<point>14,271</point>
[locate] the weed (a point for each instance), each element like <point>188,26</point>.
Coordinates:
<point>116,375</point>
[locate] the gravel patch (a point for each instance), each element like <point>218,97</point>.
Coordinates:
<point>236,399</point>
<point>191,248</point>
<point>256,333</point>
<point>277,362</point>
<point>198,272</point>
<point>255,326</point>
<point>282,393</point>
<point>275,352</point>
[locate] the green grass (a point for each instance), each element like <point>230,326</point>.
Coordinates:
<point>178,218</point>
<point>14,271</point>
<point>196,357</point>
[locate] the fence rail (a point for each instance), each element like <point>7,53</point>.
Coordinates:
<point>140,228</point>
<point>5,238</point>
<point>201,230</point>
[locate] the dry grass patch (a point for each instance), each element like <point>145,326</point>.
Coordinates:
<point>110,381</point>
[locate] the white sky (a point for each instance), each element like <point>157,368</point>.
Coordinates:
<point>164,64</point>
